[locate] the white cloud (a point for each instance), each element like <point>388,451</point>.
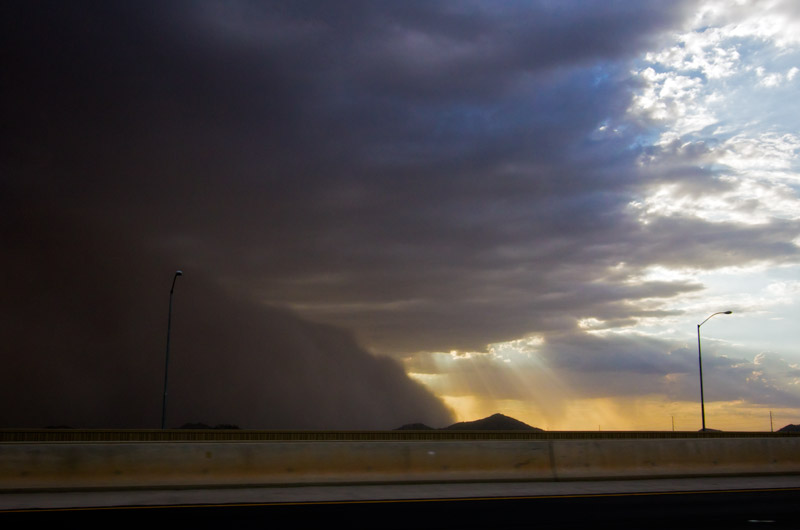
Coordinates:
<point>702,52</point>
<point>704,79</point>
<point>767,20</point>
<point>765,155</point>
<point>673,99</point>
<point>769,80</point>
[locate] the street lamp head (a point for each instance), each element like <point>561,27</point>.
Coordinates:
<point>713,315</point>
<point>180,273</point>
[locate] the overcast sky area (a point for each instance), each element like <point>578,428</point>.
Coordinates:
<point>395,212</point>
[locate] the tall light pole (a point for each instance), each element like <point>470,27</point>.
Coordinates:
<point>700,361</point>
<point>166,362</point>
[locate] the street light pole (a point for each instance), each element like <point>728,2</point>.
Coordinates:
<point>166,362</point>
<point>700,361</point>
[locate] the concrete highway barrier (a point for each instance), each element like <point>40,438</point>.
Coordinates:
<point>70,465</point>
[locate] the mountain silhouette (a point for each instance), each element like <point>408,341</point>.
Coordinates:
<point>495,422</point>
<point>415,427</point>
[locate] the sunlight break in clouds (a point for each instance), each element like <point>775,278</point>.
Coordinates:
<point>705,94</point>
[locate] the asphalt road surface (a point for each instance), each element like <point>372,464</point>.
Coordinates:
<point>730,504</point>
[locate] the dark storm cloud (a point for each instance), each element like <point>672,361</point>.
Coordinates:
<point>427,175</point>
<point>83,333</point>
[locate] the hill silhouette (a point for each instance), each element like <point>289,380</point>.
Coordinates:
<point>790,428</point>
<point>495,422</point>
<point>415,427</point>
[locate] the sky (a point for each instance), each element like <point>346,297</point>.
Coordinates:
<point>400,212</point>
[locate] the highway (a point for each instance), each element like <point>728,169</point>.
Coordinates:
<point>721,502</point>
<point>403,480</point>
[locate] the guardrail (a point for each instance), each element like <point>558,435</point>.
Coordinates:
<point>76,465</point>
<point>70,459</point>
<point>234,435</point>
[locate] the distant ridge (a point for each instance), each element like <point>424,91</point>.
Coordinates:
<point>790,428</point>
<point>495,422</point>
<point>415,427</point>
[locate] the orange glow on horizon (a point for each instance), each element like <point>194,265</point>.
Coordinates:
<point>628,414</point>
